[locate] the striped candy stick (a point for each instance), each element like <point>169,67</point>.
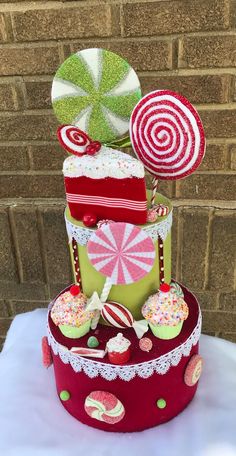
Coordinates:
<point>76,263</point>
<point>105,292</point>
<point>154,190</point>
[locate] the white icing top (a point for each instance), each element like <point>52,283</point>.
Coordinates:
<point>118,344</point>
<point>106,163</point>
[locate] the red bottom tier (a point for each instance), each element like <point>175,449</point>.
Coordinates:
<point>149,390</point>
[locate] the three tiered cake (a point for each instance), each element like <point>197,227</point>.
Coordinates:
<point>123,339</point>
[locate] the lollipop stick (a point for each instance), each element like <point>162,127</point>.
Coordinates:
<point>106,290</point>
<point>103,298</point>
<point>154,190</point>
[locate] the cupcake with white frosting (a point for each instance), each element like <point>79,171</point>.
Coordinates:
<point>118,349</point>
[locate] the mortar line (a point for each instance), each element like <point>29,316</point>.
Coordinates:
<point>208,250</point>
<point>15,244</point>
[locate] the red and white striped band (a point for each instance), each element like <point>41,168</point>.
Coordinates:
<point>108,202</point>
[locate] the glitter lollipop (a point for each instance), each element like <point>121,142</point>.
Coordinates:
<point>96,90</point>
<point>167,136</point>
<point>122,252</point>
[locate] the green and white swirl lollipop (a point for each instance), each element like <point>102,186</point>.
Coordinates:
<point>96,90</point>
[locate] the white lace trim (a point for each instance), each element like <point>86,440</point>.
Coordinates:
<point>110,372</point>
<point>82,234</point>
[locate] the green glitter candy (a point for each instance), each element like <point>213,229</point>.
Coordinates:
<point>161,403</point>
<point>96,90</point>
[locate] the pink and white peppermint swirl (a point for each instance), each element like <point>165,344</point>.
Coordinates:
<point>167,135</point>
<point>73,139</point>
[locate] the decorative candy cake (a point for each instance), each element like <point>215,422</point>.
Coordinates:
<point>123,339</point>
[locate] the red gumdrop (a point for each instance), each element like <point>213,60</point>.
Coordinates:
<point>89,219</point>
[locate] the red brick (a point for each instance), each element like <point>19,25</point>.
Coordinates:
<point>159,18</point>
<point>197,88</point>
<point>26,226</point>
<point>4,326</point>
<point>194,224</point>
<point>152,55</point>
<point>32,186</point>
<point>233,157</point>
<point>56,245</point>
<point>27,126</point>
<point>219,123</point>
<point>222,257</point>
<point>55,23</point>
<point>8,97</point>
<point>38,94</point>
<point>8,269</point>
<point>228,301</point>
<point>47,157</point>
<point>207,187</point>
<point>29,59</point>
<point>22,291</point>
<point>219,321</point>
<point>208,300</point>
<point>219,51</point>
<point>13,158</point>
<point>215,158</point>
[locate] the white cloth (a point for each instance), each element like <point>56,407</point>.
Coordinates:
<point>33,422</point>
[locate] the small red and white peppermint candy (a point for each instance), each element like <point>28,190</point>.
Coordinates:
<point>104,222</point>
<point>167,135</point>
<point>76,141</point>
<point>161,210</point>
<point>46,352</point>
<point>104,406</point>
<point>193,370</point>
<point>119,316</point>
<point>145,344</point>
<point>151,215</point>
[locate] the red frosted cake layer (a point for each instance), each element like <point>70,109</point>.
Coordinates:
<point>116,199</point>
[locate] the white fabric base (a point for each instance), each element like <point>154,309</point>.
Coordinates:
<point>33,422</point>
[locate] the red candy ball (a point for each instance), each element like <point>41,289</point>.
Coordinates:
<point>164,287</point>
<point>93,148</point>
<point>75,290</point>
<point>89,219</point>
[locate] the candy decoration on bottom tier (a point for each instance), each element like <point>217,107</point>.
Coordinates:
<point>104,406</point>
<point>123,253</point>
<point>161,261</point>
<point>117,315</point>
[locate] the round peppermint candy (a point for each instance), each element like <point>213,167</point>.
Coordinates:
<point>167,135</point>
<point>193,370</point>
<point>96,90</point>
<point>104,406</point>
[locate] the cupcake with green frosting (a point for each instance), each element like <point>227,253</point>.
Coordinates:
<point>70,314</point>
<point>165,312</point>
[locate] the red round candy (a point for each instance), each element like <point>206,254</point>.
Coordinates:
<point>164,287</point>
<point>89,219</point>
<point>93,148</point>
<point>75,290</point>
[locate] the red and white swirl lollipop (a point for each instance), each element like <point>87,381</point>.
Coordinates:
<point>76,141</point>
<point>167,135</point>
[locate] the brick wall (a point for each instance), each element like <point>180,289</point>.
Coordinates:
<point>187,46</point>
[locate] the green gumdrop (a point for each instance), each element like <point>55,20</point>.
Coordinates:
<point>161,403</point>
<point>64,395</point>
<point>92,342</point>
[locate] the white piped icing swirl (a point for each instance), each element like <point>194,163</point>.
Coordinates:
<point>118,344</point>
<point>107,163</point>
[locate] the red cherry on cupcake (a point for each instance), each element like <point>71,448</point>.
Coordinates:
<point>89,219</point>
<point>93,148</point>
<point>75,290</point>
<point>164,287</point>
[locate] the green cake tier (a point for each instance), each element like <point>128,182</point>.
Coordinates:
<point>131,296</point>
